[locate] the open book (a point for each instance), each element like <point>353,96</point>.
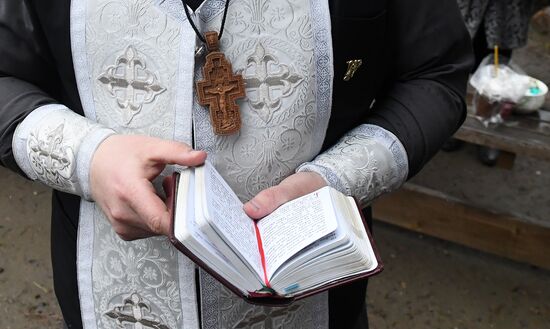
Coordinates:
<point>307,245</point>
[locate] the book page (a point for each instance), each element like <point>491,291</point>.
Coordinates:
<point>314,250</point>
<point>227,217</point>
<point>353,255</point>
<point>191,226</point>
<point>181,206</point>
<point>189,233</point>
<point>295,225</point>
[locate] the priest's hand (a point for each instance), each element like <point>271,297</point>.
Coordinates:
<point>121,172</point>
<point>290,188</point>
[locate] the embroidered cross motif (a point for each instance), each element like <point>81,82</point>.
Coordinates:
<point>131,83</point>
<point>269,83</point>
<point>132,312</point>
<point>270,318</point>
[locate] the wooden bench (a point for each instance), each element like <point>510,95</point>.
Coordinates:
<point>523,135</point>
<point>509,235</point>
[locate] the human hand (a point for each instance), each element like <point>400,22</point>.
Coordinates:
<point>121,172</point>
<point>292,187</point>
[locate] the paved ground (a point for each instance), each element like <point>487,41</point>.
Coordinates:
<point>26,292</point>
<point>429,283</point>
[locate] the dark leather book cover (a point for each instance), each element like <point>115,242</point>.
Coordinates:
<point>259,298</point>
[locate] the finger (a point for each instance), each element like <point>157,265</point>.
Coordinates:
<point>292,187</point>
<point>172,152</point>
<point>129,233</point>
<point>150,208</point>
<point>124,219</point>
<point>122,216</point>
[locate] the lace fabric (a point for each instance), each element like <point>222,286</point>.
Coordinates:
<point>55,146</point>
<point>149,40</point>
<point>366,163</point>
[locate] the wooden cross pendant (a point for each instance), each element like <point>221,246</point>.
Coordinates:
<point>220,88</point>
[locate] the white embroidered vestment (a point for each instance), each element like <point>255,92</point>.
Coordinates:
<point>135,67</point>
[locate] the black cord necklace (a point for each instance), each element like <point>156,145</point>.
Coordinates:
<point>199,35</point>
<point>220,88</point>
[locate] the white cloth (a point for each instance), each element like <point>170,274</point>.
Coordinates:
<point>55,146</point>
<point>284,52</point>
<point>118,42</point>
<point>135,67</point>
<point>367,162</point>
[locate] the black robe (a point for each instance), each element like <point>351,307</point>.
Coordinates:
<point>416,58</point>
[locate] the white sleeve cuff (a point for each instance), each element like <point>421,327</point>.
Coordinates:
<point>366,163</point>
<point>55,146</point>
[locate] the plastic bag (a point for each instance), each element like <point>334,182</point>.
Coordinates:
<point>497,90</point>
<point>508,83</point>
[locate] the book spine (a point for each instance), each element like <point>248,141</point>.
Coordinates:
<point>262,254</point>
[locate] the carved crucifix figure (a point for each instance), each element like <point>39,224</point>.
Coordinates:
<point>219,89</point>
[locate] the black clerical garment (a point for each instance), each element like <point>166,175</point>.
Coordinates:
<point>416,58</point>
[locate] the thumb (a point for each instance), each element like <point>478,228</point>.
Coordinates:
<point>292,187</point>
<point>265,202</point>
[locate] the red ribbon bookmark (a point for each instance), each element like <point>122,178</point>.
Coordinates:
<point>262,255</point>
